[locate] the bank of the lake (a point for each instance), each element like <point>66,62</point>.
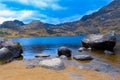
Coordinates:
<point>16,71</point>
<point>49,45</point>
<point>74,69</point>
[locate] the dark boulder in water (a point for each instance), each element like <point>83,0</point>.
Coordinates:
<point>100,41</point>
<point>64,51</point>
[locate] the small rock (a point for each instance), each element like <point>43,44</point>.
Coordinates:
<point>74,74</point>
<point>108,52</point>
<point>83,57</point>
<point>64,51</point>
<point>89,48</point>
<point>80,67</point>
<point>42,55</point>
<point>55,64</point>
<point>30,66</point>
<point>63,57</point>
<point>81,49</point>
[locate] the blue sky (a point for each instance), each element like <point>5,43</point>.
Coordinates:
<point>48,11</point>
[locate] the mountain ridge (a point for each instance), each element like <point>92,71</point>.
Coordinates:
<point>102,21</point>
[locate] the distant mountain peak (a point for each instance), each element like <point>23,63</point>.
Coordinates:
<point>37,21</point>
<point>19,22</point>
<point>12,24</point>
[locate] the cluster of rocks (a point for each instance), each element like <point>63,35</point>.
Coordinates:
<point>105,42</point>
<point>93,41</point>
<point>44,60</point>
<point>9,50</point>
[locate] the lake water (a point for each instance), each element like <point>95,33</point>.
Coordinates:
<point>49,45</point>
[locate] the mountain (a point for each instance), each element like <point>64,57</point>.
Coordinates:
<point>107,18</point>
<point>12,24</point>
<point>35,28</point>
<point>102,21</point>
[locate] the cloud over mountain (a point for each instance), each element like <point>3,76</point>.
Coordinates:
<point>48,11</point>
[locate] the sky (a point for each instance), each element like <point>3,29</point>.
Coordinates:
<point>48,11</point>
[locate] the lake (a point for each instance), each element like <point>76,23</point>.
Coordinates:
<point>49,45</point>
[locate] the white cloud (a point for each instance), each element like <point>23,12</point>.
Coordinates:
<point>12,15</point>
<point>26,15</point>
<point>42,4</point>
<point>53,20</point>
<point>7,14</point>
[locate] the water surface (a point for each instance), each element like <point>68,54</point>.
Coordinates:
<point>49,45</point>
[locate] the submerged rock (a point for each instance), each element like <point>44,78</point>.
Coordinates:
<point>64,51</point>
<point>100,66</point>
<point>89,48</point>
<point>99,41</point>
<point>108,52</point>
<point>83,57</point>
<point>81,49</point>
<point>55,64</point>
<point>30,66</point>
<point>42,55</point>
<point>63,57</point>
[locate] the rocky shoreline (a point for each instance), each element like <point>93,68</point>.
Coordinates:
<point>10,50</point>
<point>16,70</point>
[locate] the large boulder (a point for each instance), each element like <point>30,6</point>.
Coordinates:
<point>64,51</point>
<point>100,41</point>
<point>56,64</point>
<point>13,48</point>
<point>5,54</point>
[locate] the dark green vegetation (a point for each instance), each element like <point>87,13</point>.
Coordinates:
<point>102,21</point>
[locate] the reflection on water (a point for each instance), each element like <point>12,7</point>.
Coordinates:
<point>49,45</point>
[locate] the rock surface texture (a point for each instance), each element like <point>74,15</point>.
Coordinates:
<point>100,41</point>
<point>55,64</point>
<point>83,57</point>
<point>9,49</point>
